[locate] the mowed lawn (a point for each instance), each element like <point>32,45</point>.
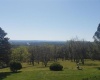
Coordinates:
<point>90,70</point>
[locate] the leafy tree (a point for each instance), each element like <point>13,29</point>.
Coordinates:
<point>76,50</point>
<point>20,54</point>
<point>45,54</point>
<point>4,47</point>
<point>32,52</point>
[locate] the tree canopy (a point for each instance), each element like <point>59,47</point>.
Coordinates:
<point>97,34</point>
<point>4,47</point>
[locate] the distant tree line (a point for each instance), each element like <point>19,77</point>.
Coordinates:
<point>73,50</point>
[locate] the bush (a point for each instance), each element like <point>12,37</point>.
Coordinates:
<point>14,66</point>
<point>56,67</point>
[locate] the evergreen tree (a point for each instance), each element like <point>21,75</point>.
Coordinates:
<point>4,47</point>
<point>97,34</point>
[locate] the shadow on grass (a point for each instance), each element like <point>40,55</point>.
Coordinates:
<point>97,68</point>
<point>4,75</point>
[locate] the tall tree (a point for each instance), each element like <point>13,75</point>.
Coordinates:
<point>97,34</point>
<point>4,47</point>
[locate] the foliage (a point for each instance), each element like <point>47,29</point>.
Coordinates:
<point>14,66</point>
<point>74,50</point>
<point>20,54</point>
<point>97,34</point>
<point>3,65</point>
<point>5,48</point>
<point>56,67</point>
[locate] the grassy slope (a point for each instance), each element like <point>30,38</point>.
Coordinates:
<point>38,72</point>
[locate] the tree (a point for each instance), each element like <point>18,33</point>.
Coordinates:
<point>97,34</point>
<point>97,41</point>
<point>4,47</point>
<point>20,54</point>
<point>32,52</point>
<point>76,50</point>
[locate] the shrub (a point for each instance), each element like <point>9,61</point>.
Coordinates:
<point>56,67</point>
<point>14,66</point>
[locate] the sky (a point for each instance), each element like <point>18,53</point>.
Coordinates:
<point>57,20</point>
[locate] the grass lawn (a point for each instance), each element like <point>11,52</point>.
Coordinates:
<point>90,71</point>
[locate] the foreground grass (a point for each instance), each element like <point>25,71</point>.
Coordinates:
<point>39,72</point>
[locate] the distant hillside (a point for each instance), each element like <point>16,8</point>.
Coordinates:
<point>35,42</point>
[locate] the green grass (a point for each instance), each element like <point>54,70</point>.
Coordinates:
<point>90,71</point>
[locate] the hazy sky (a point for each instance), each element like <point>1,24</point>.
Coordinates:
<point>49,19</point>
